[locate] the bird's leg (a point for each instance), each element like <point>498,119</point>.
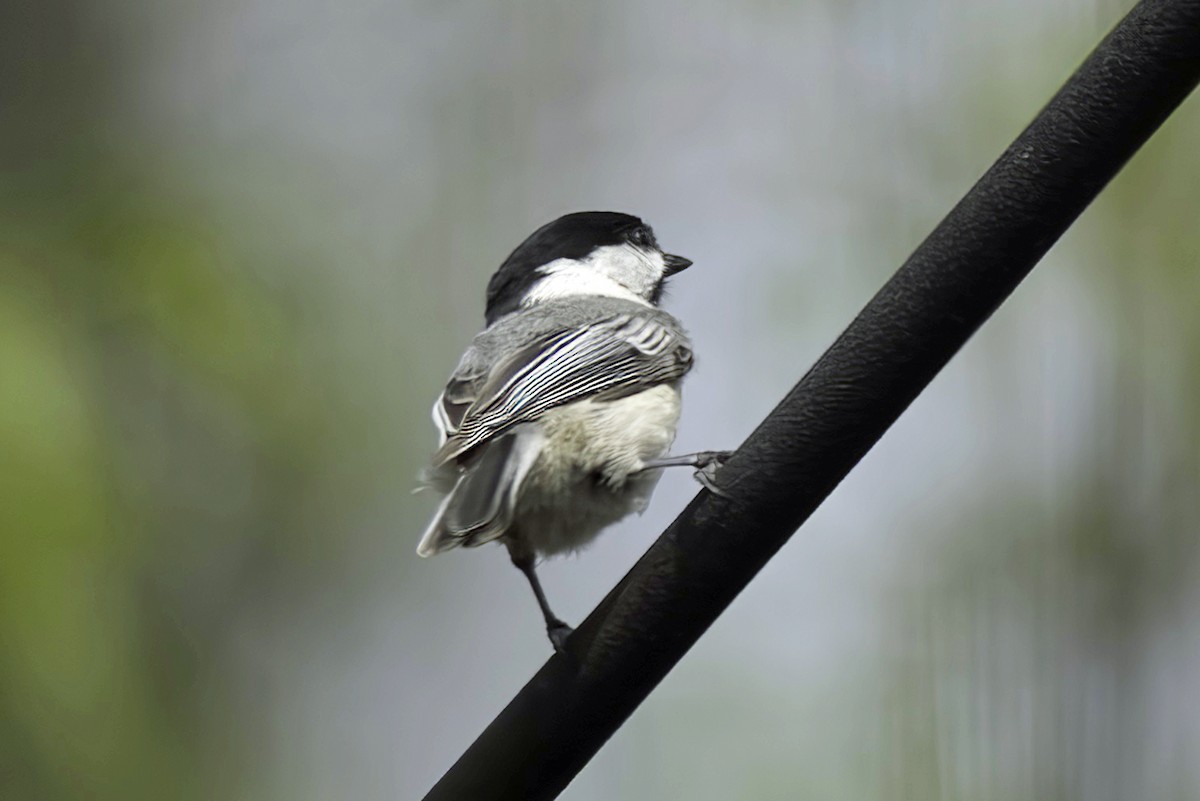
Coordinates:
<point>555,628</point>
<point>707,463</point>
<point>698,460</point>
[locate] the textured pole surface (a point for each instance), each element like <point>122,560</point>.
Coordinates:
<point>889,353</point>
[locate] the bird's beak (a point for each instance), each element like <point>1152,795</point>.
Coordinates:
<point>675,264</point>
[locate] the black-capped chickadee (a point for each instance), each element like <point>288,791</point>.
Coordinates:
<point>558,417</point>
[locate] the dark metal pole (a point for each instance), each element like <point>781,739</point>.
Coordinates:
<point>890,352</point>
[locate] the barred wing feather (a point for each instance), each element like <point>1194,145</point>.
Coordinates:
<point>611,358</point>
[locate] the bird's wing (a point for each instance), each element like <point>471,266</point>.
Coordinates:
<point>619,355</point>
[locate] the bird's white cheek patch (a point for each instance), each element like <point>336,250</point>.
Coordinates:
<point>637,270</point>
<point>565,278</point>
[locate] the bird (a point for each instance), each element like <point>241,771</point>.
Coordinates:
<point>561,413</point>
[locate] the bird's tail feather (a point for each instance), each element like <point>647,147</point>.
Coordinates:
<point>480,506</point>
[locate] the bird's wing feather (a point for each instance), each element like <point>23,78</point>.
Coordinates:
<point>616,356</point>
<point>451,406</point>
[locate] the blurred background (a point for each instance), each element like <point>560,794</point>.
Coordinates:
<point>243,242</point>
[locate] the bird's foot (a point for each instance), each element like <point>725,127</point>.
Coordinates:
<point>558,632</point>
<point>708,463</point>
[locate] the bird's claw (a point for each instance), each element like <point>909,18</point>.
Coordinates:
<point>707,469</point>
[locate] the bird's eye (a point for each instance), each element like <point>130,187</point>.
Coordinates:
<point>639,238</point>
